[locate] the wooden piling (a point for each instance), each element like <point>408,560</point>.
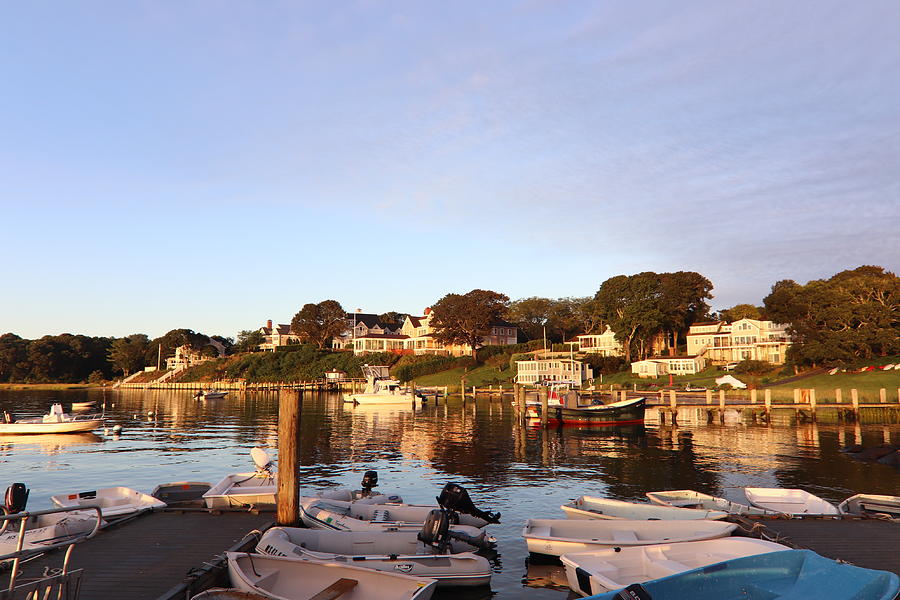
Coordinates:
<point>709,396</point>
<point>796,395</point>
<point>812,402</point>
<point>882,395</point>
<point>545,408</point>
<point>288,500</point>
<point>837,396</point>
<point>722,400</point>
<point>673,400</point>
<point>753,396</point>
<point>854,401</point>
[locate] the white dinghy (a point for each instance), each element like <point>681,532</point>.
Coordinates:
<point>397,552</point>
<point>614,568</point>
<point>113,502</point>
<point>592,507</point>
<point>366,495</point>
<point>556,537</point>
<point>790,501</point>
<point>353,516</point>
<point>692,499</point>
<point>291,579</point>
<point>56,421</point>
<point>871,504</point>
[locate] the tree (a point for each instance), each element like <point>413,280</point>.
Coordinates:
<point>530,315</point>
<point>13,365</point>
<point>128,354</point>
<point>630,305</point>
<point>467,318</point>
<point>319,323</point>
<point>249,340</point>
<point>165,346</point>
<point>741,311</point>
<point>392,317</point>
<point>682,301</point>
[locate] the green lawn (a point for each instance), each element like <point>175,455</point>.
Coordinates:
<point>479,377</point>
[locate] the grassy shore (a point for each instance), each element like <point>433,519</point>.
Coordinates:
<point>48,386</point>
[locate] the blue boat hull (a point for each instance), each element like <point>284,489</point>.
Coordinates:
<point>787,575</point>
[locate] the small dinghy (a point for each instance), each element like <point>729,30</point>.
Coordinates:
<point>614,568</point>
<point>871,504</point>
<point>790,501</point>
<point>692,499</point>
<point>210,395</point>
<point>180,492</point>
<point>787,575</point>
<point>289,579</point>
<point>113,502</point>
<point>556,537</point>
<point>365,495</point>
<point>246,490</point>
<point>228,594</point>
<point>591,507</point>
<point>55,421</point>
<point>396,552</point>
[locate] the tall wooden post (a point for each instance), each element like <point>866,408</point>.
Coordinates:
<point>854,401</point>
<point>796,396</point>
<point>753,396</point>
<point>812,402</point>
<point>882,395</point>
<point>288,500</point>
<point>709,396</point>
<point>721,399</point>
<point>545,408</point>
<point>837,396</point>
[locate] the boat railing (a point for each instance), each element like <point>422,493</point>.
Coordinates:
<point>68,543</point>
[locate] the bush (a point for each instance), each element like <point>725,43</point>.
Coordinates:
<point>501,361</point>
<point>483,354</point>
<point>607,365</point>
<point>409,368</point>
<point>752,367</point>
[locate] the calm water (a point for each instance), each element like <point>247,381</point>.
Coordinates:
<point>521,471</point>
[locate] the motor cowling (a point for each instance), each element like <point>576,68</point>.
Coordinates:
<point>369,481</point>
<point>456,498</point>
<point>435,529</point>
<point>16,498</point>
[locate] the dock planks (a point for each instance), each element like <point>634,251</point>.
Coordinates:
<point>145,558</point>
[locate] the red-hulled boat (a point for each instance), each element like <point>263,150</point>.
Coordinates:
<point>625,412</point>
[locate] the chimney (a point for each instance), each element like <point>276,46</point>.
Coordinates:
<point>269,323</point>
<point>427,311</point>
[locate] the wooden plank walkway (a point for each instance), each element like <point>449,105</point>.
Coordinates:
<point>145,558</point>
<point>869,543</point>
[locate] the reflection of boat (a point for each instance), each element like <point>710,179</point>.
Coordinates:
<point>560,536</point>
<point>591,507</point>
<point>790,501</point>
<point>786,575</point>
<point>289,579</point>
<point>539,575</point>
<point>113,502</point>
<point>56,421</point>
<point>380,390</point>
<point>624,412</point>
<point>601,571</point>
<point>51,443</point>
<point>393,552</point>
<point>692,499</point>
<point>865,504</point>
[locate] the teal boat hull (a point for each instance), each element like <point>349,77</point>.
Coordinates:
<point>787,575</point>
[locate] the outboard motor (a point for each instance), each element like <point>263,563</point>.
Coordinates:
<point>16,498</point>
<point>369,481</point>
<point>436,533</point>
<point>455,497</point>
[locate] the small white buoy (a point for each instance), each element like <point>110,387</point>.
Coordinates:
<point>106,431</point>
<point>134,416</point>
<point>117,429</point>
<point>150,413</point>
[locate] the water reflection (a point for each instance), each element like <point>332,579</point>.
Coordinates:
<point>47,443</point>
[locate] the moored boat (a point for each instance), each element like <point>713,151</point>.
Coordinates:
<point>289,579</point>
<point>871,504</point>
<point>790,501</point>
<point>692,499</point>
<point>786,575</point>
<point>624,412</point>
<point>180,492</point>
<point>556,537</point>
<point>354,516</point>
<point>113,501</point>
<point>55,421</point>
<point>592,507</point>
<point>399,552</point>
<point>243,490</point>
<point>210,395</point>
<point>614,568</point>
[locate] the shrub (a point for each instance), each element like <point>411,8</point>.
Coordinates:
<point>409,368</point>
<point>607,365</point>
<point>752,367</point>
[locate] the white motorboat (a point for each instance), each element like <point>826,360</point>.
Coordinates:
<point>790,501</point>
<point>290,579</point>
<point>113,502</point>
<point>380,390</point>
<point>556,537</point>
<point>56,421</point>
<point>692,499</point>
<point>320,513</point>
<point>871,504</point>
<point>591,507</point>
<point>243,490</point>
<point>180,492</point>
<point>396,552</point>
<point>602,571</point>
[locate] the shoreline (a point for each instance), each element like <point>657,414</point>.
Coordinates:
<point>51,386</point>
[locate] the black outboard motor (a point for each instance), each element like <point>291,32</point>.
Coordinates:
<point>16,498</point>
<point>369,481</point>
<point>436,533</point>
<point>455,497</point>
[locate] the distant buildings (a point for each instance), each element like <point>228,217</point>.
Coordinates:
<point>745,339</point>
<point>604,344</point>
<point>530,372</point>
<point>186,356</point>
<point>277,335</point>
<point>665,365</point>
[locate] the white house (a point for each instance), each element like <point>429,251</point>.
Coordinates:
<point>664,365</point>
<point>552,369</point>
<point>361,325</point>
<point>745,339</point>
<point>649,368</point>
<point>604,344</point>
<point>277,335</point>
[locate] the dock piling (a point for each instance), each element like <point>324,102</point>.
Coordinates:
<point>288,499</point>
<point>544,396</point>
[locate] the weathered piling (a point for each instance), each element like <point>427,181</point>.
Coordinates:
<point>545,408</point>
<point>288,499</point>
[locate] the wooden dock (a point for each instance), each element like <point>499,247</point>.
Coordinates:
<point>167,554</point>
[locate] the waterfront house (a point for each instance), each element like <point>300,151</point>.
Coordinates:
<point>604,344</point>
<point>361,325</point>
<point>277,335</point>
<point>745,339</point>
<point>186,356</point>
<point>663,365</point>
<point>530,372</point>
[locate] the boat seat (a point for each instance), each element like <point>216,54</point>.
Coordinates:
<point>336,589</point>
<point>381,516</point>
<point>624,536</point>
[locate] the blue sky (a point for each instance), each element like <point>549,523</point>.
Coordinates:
<point>211,165</point>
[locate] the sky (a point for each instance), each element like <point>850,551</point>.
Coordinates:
<point>211,165</point>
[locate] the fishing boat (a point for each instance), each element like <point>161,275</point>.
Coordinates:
<point>871,504</point>
<point>692,499</point>
<point>180,492</point>
<point>290,579</point>
<point>786,575</point>
<point>396,552</point>
<point>624,412</point>
<point>55,421</point>
<point>614,568</point>
<point>380,390</point>
<point>591,507</point>
<point>790,501</point>
<point>556,537</point>
<point>113,501</point>
<point>210,395</point>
